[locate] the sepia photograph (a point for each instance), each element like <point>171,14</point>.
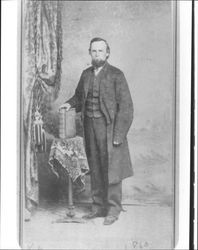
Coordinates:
<point>98,125</point>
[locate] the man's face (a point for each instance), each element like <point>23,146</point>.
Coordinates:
<point>98,53</point>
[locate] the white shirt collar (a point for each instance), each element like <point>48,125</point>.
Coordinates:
<point>97,70</point>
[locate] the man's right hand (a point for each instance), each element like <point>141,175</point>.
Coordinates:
<point>66,106</point>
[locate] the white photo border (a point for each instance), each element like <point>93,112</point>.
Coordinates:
<point>9,211</point>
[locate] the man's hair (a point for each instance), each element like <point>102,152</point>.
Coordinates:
<point>98,39</point>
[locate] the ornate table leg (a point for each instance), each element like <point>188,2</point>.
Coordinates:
<point>71,218</point>
<point>71,211</point>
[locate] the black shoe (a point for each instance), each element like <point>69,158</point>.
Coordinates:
<point>110,219</point>
<point>94,214</point>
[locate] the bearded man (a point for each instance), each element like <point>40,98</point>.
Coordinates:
<point>103,98</point>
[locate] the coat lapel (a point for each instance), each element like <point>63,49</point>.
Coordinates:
<point>103,76</point>
<point>87,82</point>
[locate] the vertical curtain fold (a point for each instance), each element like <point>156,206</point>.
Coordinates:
<point>42,56</point>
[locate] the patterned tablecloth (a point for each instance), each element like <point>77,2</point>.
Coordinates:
<point>70,155</point>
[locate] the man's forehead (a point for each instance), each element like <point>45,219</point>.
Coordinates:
<point>98,44</point>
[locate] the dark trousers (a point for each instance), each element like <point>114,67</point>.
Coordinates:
<point>104,195</point>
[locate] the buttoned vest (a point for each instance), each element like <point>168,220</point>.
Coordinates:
<point>92,105</point>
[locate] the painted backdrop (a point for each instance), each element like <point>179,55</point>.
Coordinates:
<point>140,35</point>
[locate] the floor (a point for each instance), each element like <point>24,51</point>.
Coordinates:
<point>148,198</point>
<point>139,227</point>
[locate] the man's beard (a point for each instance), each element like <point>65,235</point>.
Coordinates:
<point>98,63</point>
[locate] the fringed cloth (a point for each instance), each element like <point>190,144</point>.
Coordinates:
<point>70,155</point>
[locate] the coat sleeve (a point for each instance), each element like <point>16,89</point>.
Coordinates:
<point>124,114</point>
<point>76,100</point>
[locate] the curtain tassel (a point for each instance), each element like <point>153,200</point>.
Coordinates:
<point>39,132</point>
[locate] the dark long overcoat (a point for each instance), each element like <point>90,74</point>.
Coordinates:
<point>117,106</point>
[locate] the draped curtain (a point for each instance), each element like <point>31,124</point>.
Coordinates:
<point>41,64</point>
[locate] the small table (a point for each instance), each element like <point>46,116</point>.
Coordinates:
<point>70,155</point>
